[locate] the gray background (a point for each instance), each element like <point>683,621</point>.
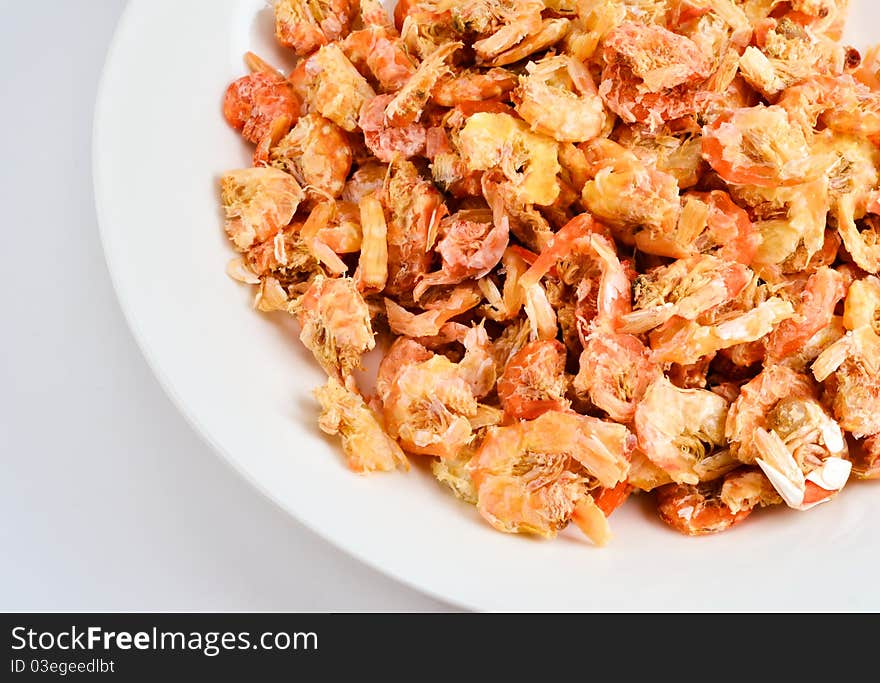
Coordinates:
<point>108,499</point>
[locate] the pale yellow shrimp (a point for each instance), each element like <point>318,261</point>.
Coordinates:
<point>625,194</point>
<point>407,105</point>
<point>778,424</point>
<point>672,152</point>
<point>519,40</point>
<point>470,246</point>
<point>502,29</point>
<point>528,160</point>
<point>558,98</point>
<point>506,199</point>
<point>505,304</point>
<point>678,428</point>
<point>789,50</point>
<point>454,474</point>
<point>424,26</point>
<point>372,271</point>
<point>540,312</point>
<point>336,89</point>
<point>594,21</point>
<point>366,445</point>
<point>477,368</point>
<point>852,179</point>
<point>484,17</point>
<point>686,288</point>
<point>533,477</point>
<point>760,146</point>
<point>335,322</point>
<point>306,25</point>
<point>258,203</point>
<point>317,153</point>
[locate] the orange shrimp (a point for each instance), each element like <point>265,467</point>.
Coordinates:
<point>366,445</point>
<point>472,85</point>
<point>415,208</point>
<point>866,458</point>
<point>615,372</point>
<point>277,130</point>
<point>558,98</point>
<point>470,246</point>
<point>850,366</point>
<point>709,222</point>
<point>532,477</point>
<point>381,55</point>
<point>343,233</point>
<point>306,25</point>
<point>627,195</point>
<point>335,322</point>
<point>404,351</point>
<point>815,308</point>
<point>678,428</point>
<point>609,499</point>
<point>534,381</point>
<point>686,288</point>
<point>407,105</point>
<point>759,146</point>
<point>388,142</point>
<point>686,341</point>
<point>427,402</point>
<point>254,102</point>
<point>285,256</point>
<point>402,9</point>
<point>429,323</point>
<point>258,203</point>
<point>317,153</point>
<point>650,73</point>
<point>697,510</point>
<point>778,423</point>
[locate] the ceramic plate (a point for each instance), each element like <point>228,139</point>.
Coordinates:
<point>245,382</point>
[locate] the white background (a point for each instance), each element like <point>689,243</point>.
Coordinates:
<point>108,499</point>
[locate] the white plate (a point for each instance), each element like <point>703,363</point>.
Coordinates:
<point>245,383</point>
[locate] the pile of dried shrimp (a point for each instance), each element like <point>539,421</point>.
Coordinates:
<point>608,246</point>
